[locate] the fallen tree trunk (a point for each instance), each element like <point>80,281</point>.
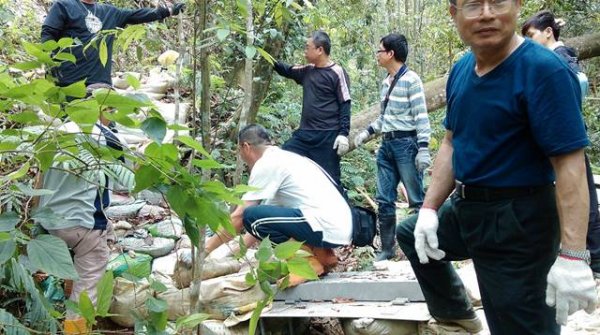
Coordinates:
<point>588,46</point>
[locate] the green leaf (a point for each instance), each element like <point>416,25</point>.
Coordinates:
<point>155,128</point>
<point>222,34</point>
<point>133,81</point>
<point>145,177</point>
<point>86,307</point>
<point>207,164</point>
<point>65,42</point>
<point>300,266</point>
<point>43,215</point>
<point>255,317</point>
<point>17,174</point>
<point>158,286</point>
<point>250,51</point>
<point>103,52</point>
<point>75,90</point>
<point>35,51</point>
<point>30,192</point>
<point>72,306</point>
<point>267,56</point>
<point>190,142</point>
<point>191,321</point>
<point>265,251</point>
<point>45,152</point>
<point>84,112</point>
<point>287,249</point>
<point>49,45</point>
<point>26,66</point>
<point>191,229</point>
<point>50,254</point>
<point>8,221</point>
<point>159,321</point>
<point>65,56</point>
<point>25,117</point>
<point>7,250</point>
<point>105,293</point>
<point>242,7</point>
<point>9,325</point>
<point>156,305</point>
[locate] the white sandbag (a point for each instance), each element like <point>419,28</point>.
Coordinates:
<point>129,297</point>
<point>125,211</point>
<point>182,275</point>
<point>152,198</point>
<point>123,225</point>
<point>184,242</point>
<point>216,327</point>
<point>169,228</point>
<point>167,110</point>
<point>118,199</point>
<point>226,295</point>
<point>152,211</point>
<point>165,264</point>
<point>155,247</point>
<point>178,302</point>
<point>368,326</point>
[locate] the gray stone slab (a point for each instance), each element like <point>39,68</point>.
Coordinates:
<point>376,310</point>
<point>356,286</point>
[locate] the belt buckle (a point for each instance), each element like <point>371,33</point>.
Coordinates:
<point>461,189</point>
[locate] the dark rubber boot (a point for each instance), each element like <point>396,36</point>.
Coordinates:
<point>387,232</point>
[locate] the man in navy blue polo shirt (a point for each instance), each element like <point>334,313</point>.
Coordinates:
<point>513,153</point>
<point>82,20</point>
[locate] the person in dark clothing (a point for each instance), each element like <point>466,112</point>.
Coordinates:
<point>82,20</point>
<point>325,120</point>
<point>512,158</point>
<point>545,29</point>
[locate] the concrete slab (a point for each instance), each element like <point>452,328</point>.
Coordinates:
<point>356,286</point>
<point>353,310</point>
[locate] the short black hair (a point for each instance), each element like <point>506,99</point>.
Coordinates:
<point>254,134</point>
<point>540,21</point>
<point>396,43</point>
<point>321,40</point>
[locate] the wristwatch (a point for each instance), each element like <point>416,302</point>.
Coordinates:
<point>583,255</point>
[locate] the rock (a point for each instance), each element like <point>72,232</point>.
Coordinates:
<point>125,211</point>
<point>152,198</point>
<point>152,211</point>
<point>170,228</point>
<point>122,225</point>
<point>155,247</point>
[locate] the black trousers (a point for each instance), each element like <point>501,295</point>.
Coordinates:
<point>318,146</point>
<point>593,236</point>
<point>513,244</point>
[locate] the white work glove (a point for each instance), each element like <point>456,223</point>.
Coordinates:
<point>341,144</point>
<point>361,138</point>
<point>423,159</point>
<point>426,241</point>
<point>571,287</point>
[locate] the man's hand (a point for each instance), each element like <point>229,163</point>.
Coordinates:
<point>571,287</point>
<point>341,144</point>
<point>361,138</point>
<point>177,8</point>
<point>426,241</point>
<point>423,159</point>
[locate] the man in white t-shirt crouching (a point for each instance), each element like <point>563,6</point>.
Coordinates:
<point>294,199</point>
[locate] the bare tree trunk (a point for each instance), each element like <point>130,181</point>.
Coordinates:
<point>588,46</point>
<point>248,78</point>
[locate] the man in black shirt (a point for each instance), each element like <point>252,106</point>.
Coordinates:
<point>81,20</point>
<point>325,120</point>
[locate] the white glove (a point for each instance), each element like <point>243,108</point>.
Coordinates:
<point>341,144</point>
<point>423,159</point>
<point>361,137</point>
<point>426,241</point>
<point>571,287</point>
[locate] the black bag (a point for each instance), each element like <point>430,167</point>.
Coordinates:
<point>364,226</point>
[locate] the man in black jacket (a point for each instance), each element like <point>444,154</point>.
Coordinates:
<point>82,20</point>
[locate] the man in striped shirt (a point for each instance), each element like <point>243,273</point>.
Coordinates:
<point>404,126</point>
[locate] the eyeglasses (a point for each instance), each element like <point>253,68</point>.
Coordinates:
<point>474,9</point>
<point>381,50</point>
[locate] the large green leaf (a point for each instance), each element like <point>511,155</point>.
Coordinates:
<point>190,142</point>
<point>300,266</point>
<point>287,249</point>
<point>43,215</point>
<point>145,177</point>
<point>103,52</point>
<point>155,128</point>
<point>75,90</point>
<point>191,321</point>
<point>45,152</point>
<point>265,251</point>
<point>8,221</point>
<point>9,325</point>
<point>50,254</point>
<point>18,173</point>
<point>156,305</point>
<point>7,249</point>
<point>191,229</point>
<point>86,308</point>
<point>105,292</point>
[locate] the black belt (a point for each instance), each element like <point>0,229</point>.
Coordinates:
<point>495,193</point>
<point>398,134</point>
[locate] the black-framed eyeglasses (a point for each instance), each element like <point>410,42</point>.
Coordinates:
<point>381,50</point>
<point>473,9</point>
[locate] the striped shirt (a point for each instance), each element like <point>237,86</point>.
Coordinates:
<point>406,110</point>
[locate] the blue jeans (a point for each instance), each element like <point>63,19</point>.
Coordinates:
<point>395,164</point>
<point>281,224</point>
